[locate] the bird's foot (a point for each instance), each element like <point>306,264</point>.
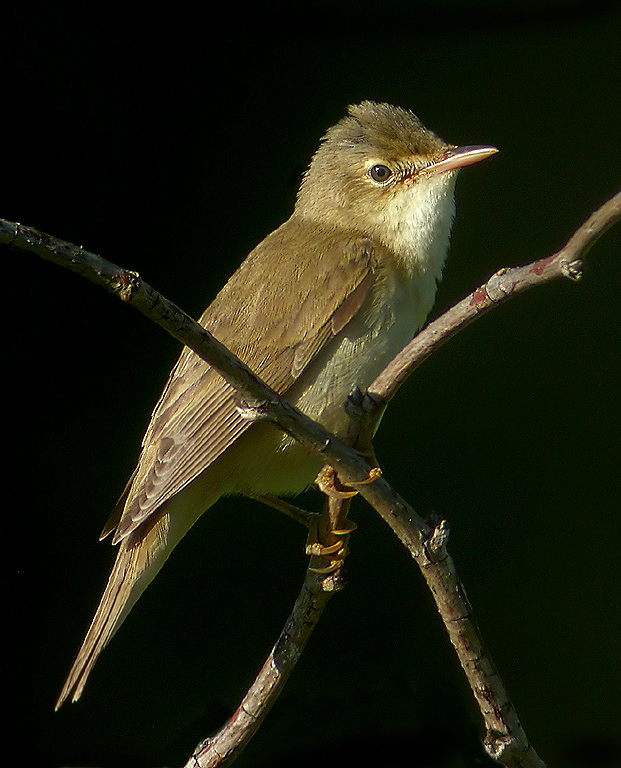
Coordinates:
<point>327,481</point>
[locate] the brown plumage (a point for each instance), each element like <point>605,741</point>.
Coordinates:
<point>318,308</point>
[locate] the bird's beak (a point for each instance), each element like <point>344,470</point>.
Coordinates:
<point>459,157</point>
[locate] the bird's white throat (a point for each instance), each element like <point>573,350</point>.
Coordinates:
<point>415,223</point>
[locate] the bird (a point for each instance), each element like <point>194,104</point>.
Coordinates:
<point>317,310</point>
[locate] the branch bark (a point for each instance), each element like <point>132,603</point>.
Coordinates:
<point>222,748</point>
<point>503,285</point>
<point>426,541</point>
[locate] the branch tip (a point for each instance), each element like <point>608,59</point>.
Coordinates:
<point>499,286</point>
<point>509,744</point>
<point>572,269</point>
<point>435,544</point>
<point>127,284</point>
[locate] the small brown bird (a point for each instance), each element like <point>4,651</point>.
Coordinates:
<point>317,309</point>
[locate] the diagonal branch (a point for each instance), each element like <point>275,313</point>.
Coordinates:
<point>319,585</point>
<point>222,748</point>
<point>503,285</point>
<point>426,540</point>
<point>259,400</point>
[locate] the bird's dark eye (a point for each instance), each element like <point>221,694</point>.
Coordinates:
<point>380,173</point>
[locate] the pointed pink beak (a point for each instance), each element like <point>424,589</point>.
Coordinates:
<point>459,157</point>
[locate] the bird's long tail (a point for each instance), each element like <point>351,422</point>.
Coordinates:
<point>140,557</point>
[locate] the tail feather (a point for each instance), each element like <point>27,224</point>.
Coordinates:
<point>140,557</point>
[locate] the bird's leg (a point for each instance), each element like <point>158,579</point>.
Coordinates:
<point>327,539</point>
<point>307,519</point>
<point>364,417</point>
<point>327,531</point>
<point>328,534</point>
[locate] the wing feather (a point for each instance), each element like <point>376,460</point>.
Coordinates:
<point>277,332</point>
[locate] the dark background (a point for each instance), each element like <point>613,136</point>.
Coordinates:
<point>171,142</point>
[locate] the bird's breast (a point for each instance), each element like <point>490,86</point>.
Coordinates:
<point>395,309</point>
<point>392,313</point>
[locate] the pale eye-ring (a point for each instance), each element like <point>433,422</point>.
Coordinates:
<point>380,173</point>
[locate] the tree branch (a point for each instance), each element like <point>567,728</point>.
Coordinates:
<point>505,739</point>
<point>259,401</point>
<point>501,286</point>
<point>222,748</point>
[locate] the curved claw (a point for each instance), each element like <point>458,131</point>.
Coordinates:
<point>320,550</point>
<point>374,474</point>
<point>327,481</point>
<point>345,531</point>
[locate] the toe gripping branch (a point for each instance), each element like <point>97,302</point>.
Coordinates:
<point>329,531</point>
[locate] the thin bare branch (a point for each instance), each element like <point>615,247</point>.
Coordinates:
<point>503,285</point>
<point>505,739</point>
<point>257,402</point>
<point>426,540</point>
<point>222,748</point>
<point>324,577</point>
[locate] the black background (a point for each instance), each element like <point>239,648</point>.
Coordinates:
<point>171,141</point>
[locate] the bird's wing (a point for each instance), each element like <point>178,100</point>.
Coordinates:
<point>277,331</point>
